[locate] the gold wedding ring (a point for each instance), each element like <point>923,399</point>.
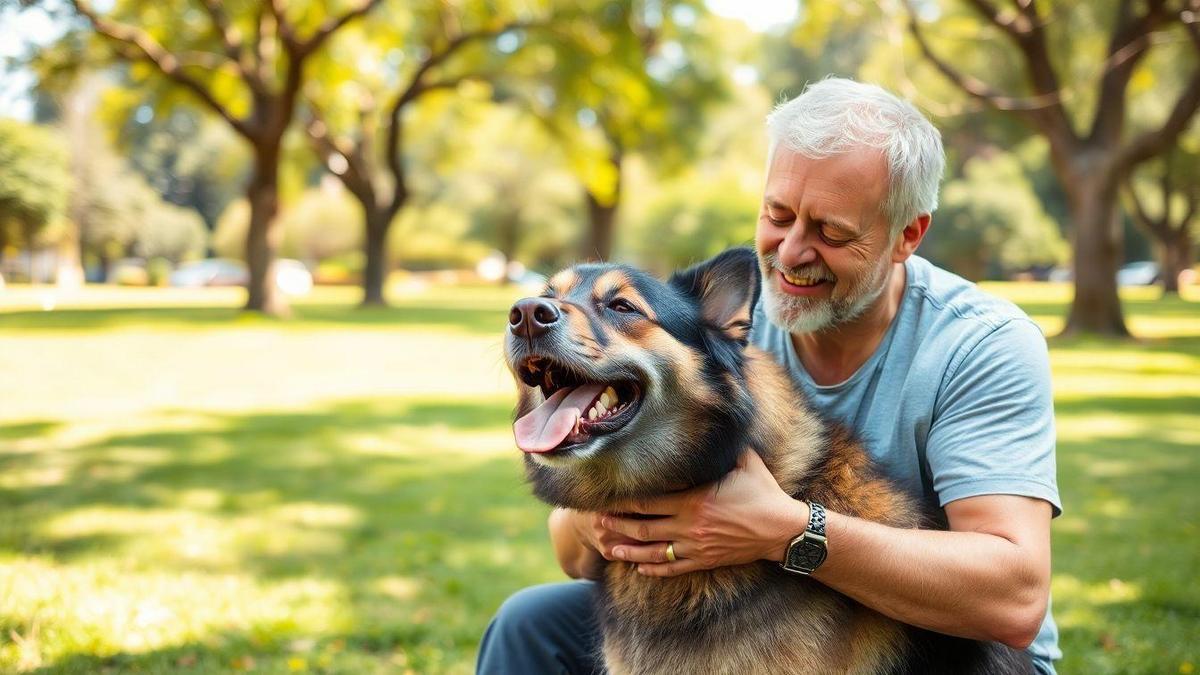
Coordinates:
<point>671,551</point>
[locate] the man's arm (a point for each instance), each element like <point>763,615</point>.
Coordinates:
<point>988,578</point>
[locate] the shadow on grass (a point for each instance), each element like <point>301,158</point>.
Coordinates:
<point>461,530</point>
<point>475,320</point>
<point>12,432</point>
<point>1173,307</point>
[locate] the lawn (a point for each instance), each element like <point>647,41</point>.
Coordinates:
<point>185,489</point>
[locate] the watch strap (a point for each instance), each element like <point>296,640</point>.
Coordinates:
<point>816,519</point>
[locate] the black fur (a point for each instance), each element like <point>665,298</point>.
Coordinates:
<point>697,307</point>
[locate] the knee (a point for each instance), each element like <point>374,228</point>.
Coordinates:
<point>524,610</point>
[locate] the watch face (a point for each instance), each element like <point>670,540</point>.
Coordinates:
<point>807,555</point>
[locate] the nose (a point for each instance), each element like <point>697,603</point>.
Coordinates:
<point>532,317</point>
<point>796,249</point>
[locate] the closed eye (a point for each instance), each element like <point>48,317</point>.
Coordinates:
<point>623,306</point>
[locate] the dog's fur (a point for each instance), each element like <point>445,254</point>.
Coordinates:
<point>705,395</point>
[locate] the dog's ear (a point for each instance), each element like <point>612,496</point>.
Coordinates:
<point>726,288</point>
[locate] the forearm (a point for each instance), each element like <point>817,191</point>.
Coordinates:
<point>576,558</point>
<point>971,584</point>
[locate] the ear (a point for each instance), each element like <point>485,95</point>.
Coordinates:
<point>726,287</point>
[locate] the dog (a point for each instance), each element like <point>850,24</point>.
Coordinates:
<point>631,387</point>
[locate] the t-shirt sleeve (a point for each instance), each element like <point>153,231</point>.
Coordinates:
<point>993,425</point>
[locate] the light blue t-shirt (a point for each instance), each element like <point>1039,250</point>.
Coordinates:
<point>955,402</point>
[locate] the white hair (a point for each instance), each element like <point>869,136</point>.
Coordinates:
<point>836,115</point>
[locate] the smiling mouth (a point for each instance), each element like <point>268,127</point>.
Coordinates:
<point>576,409</point>
<point>803,281</point>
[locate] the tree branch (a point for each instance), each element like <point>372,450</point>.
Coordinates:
<point>1152,143</point>
<point>231,40</point>
<point>283,27</point>
<point>436,58</point>
<point>416,87</point>
<point>166,62</point>
<point>1024,106</point>
<point>1130,42</point>
<point>331,26</point>
<point>1138,211</point>
<point>357,176</point>
<point>1016,26</point>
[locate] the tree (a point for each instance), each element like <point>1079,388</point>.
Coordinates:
<point>34,179</point>
<point>1091,163</point>
<point>365,149</point>
<point>321,224</point>
<point>248,68</point>
<point>626,79</point>
<point>989,222</point>
<point>1172,221</point>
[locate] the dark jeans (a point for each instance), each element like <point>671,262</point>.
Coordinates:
<point>543,629</point>
<point>552,629</point>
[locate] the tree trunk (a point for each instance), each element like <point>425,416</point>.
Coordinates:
<point>601,223</point>
<point>1096,308</point>
<point>105,267</point>
<point>1177,257</point>
<point>263,236</point>
<point>379,220</point>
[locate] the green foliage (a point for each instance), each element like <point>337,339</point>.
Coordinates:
<point>120,214</point>
<point>990,222</point>
<point>694,220</point>
<point>622,78</point>
<point>170,233</point>
<point>34,179</point>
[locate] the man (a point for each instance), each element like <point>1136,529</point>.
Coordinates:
<point>948,388</point>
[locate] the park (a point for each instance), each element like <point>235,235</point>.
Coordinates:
<point>256,261</point>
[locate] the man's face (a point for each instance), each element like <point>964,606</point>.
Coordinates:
<point>822,241</point>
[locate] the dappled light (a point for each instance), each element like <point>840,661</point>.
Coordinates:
<point>367,521</point>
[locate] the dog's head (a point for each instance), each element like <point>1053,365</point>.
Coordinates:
<point>629,386</point>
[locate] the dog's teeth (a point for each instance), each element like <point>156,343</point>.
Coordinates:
<point>611,395</point>
<point>606,399</point>
<point>591,413</point>
<point>601,408</point>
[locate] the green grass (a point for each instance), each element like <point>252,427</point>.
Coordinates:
<point>184,489</point>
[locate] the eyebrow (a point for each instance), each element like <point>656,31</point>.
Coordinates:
<point>841,224</point>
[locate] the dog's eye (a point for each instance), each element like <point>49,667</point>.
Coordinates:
<point>622,306</point>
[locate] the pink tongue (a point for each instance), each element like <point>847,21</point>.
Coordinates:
<point>549,424</point>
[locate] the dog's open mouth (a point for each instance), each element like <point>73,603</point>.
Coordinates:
<point>576,409</point>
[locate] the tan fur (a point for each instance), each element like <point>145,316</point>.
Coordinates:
<point>608,282</point>
<point>821,632</point>
<point>564,282</point>
<point>811,628</point>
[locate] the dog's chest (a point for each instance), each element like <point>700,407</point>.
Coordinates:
<point>742,619</point>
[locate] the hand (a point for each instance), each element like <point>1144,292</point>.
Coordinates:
<point>743,517</point>
<point>591,533</point>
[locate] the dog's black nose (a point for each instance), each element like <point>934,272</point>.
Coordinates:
<point>532,317</point>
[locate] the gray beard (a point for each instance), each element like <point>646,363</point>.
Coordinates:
<point>810,315</point>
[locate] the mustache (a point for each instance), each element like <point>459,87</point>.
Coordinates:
<point>810,270</point>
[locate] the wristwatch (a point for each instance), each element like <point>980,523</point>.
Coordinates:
<point>807,551</point>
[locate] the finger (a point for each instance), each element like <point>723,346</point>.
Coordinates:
<point>670,569</point>
<point>646,553</point>
<point>660,529</point>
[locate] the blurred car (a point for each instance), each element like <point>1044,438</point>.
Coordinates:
<point>1142,273</point>
<point>129,272</point>
<point>210,272</point>
<point>1059,274</point>
<point>291,276</point>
